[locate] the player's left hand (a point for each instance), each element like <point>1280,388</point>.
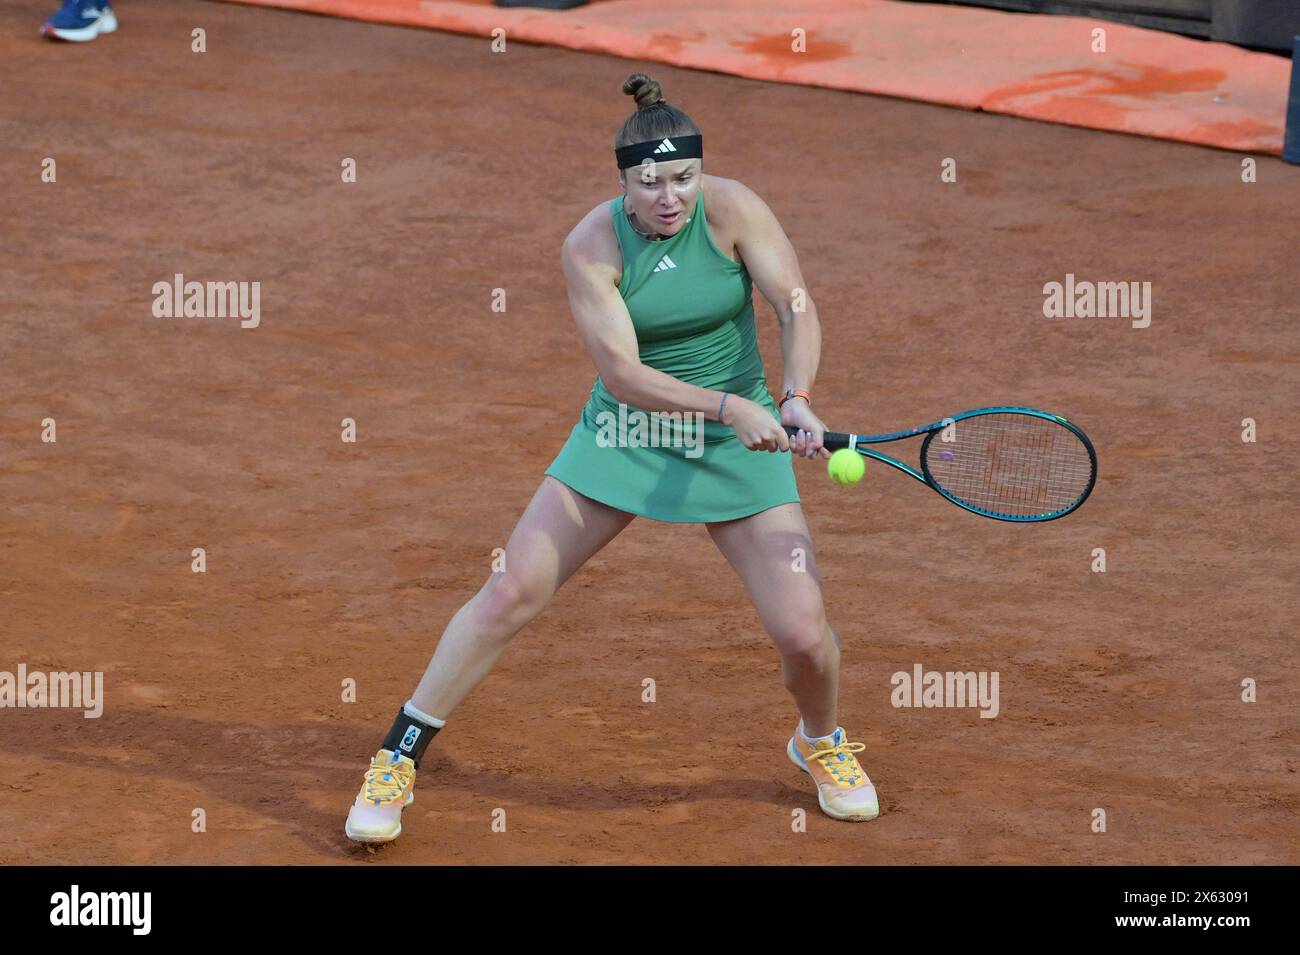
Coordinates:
<point>808,442</point>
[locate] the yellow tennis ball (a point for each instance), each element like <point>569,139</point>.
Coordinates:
<point>846,467</point>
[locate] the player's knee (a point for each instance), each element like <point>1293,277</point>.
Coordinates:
<point>512,600</point>
<point>807,644</point>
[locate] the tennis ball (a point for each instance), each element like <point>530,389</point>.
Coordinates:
<point>846,467</point>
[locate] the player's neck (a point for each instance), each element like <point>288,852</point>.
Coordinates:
<point>632,221</point>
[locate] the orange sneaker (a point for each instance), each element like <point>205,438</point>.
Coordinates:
<point>843,789</point>
<point>376,813</point>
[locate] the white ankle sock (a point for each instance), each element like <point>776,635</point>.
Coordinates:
<point>409,709</point>
<point>830,738</point>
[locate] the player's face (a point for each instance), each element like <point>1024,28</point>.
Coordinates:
<point>662,194</point>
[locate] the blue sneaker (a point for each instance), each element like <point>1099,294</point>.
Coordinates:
<point>80,20</point>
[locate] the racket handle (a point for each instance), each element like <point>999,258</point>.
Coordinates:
<point>832,440</point>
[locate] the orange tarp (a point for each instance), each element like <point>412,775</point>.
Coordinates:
<point>1041,67</point>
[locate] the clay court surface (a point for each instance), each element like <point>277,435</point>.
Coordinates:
<point>329,561</point>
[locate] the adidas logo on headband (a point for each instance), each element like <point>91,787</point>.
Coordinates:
<point>679,147</point>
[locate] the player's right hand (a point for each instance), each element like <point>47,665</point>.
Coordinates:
<point>754,425</point>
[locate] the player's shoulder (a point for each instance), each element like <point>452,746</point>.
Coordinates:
<point>597,221</point>
<point>731,202</point>
<point>592,244</point>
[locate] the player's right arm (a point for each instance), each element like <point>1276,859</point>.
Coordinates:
<point>592,267</point>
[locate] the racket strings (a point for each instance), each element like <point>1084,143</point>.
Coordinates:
<point>1011,464</point>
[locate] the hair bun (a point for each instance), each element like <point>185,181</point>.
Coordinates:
<point>647,91</point>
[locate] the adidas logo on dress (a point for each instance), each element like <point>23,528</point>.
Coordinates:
<point>666,147</point>
<point>665,264</point>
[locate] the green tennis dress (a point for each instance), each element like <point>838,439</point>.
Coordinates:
<point>693,311</point>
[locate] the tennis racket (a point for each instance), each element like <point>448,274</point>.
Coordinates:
<point>1010,464</point>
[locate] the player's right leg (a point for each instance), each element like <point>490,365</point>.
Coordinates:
<point>559,530</point>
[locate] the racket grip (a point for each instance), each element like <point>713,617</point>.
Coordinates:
<point>832,440</point>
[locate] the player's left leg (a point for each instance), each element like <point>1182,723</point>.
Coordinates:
<point>773,554</point>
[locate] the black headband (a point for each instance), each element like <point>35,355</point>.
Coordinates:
<point>664,150</point>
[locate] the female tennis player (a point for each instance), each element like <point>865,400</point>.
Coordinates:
<point>660,287</point>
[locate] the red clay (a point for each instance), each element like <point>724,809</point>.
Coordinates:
<point>330,561</point>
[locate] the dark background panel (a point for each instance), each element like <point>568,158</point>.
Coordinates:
<point>1262,24</point>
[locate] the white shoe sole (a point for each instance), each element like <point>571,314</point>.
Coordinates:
<point>105,24</point>
<point>821,799</point>
<point>373,838</point>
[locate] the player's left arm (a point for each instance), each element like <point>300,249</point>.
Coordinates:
<point>774,268</point>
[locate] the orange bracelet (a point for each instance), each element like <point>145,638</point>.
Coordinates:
<point>795,393</point>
